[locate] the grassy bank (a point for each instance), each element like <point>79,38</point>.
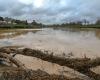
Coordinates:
<point>95,26</point>
<point>29,26</point>
<point>18,26</point>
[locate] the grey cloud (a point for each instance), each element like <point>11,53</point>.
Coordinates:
<point>53,11</point>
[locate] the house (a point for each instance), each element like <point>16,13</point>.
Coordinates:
<point>8,20</point>
<point>3,22</point>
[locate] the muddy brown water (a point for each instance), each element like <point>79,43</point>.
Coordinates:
<point>63,42</point>
<point>79,42</point>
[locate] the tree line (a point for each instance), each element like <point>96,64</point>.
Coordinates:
<point>6,22</point>
<point>15,23</point>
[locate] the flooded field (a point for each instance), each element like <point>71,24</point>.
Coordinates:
<point>78,42</point>
<point>53,51</point>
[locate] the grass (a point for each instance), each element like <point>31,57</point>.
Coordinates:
<point>24,26</point>
<point>94,26</point>
<point>18,26</point>
<point>31,75</point>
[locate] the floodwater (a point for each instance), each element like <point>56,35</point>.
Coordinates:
<point>71,42</point>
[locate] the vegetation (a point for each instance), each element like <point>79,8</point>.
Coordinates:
<point>1,19</point>
<point>17,74</point>
<point>77,24</point>
<point>82,65</point>
<point>66,25</point>
<point>20,72</point>
<point>14,23</point>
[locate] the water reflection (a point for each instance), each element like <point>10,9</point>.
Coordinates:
<point>97,33</point>
<point>80,42</point>
<point>10,33</point>
<point>80,30</point>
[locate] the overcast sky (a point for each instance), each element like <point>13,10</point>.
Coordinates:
<point>51,11</point>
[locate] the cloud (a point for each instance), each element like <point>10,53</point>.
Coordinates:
<point>51,11</point>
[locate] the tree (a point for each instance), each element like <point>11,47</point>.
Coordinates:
<point>85,22</point>
<point>17,21</point>
<point>79,23</point>
<point>26,22</point>
<point>1,19</point>
<point>34,22</point>
<point>98,21</point>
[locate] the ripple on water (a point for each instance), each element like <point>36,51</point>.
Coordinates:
<point>79,42</point>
